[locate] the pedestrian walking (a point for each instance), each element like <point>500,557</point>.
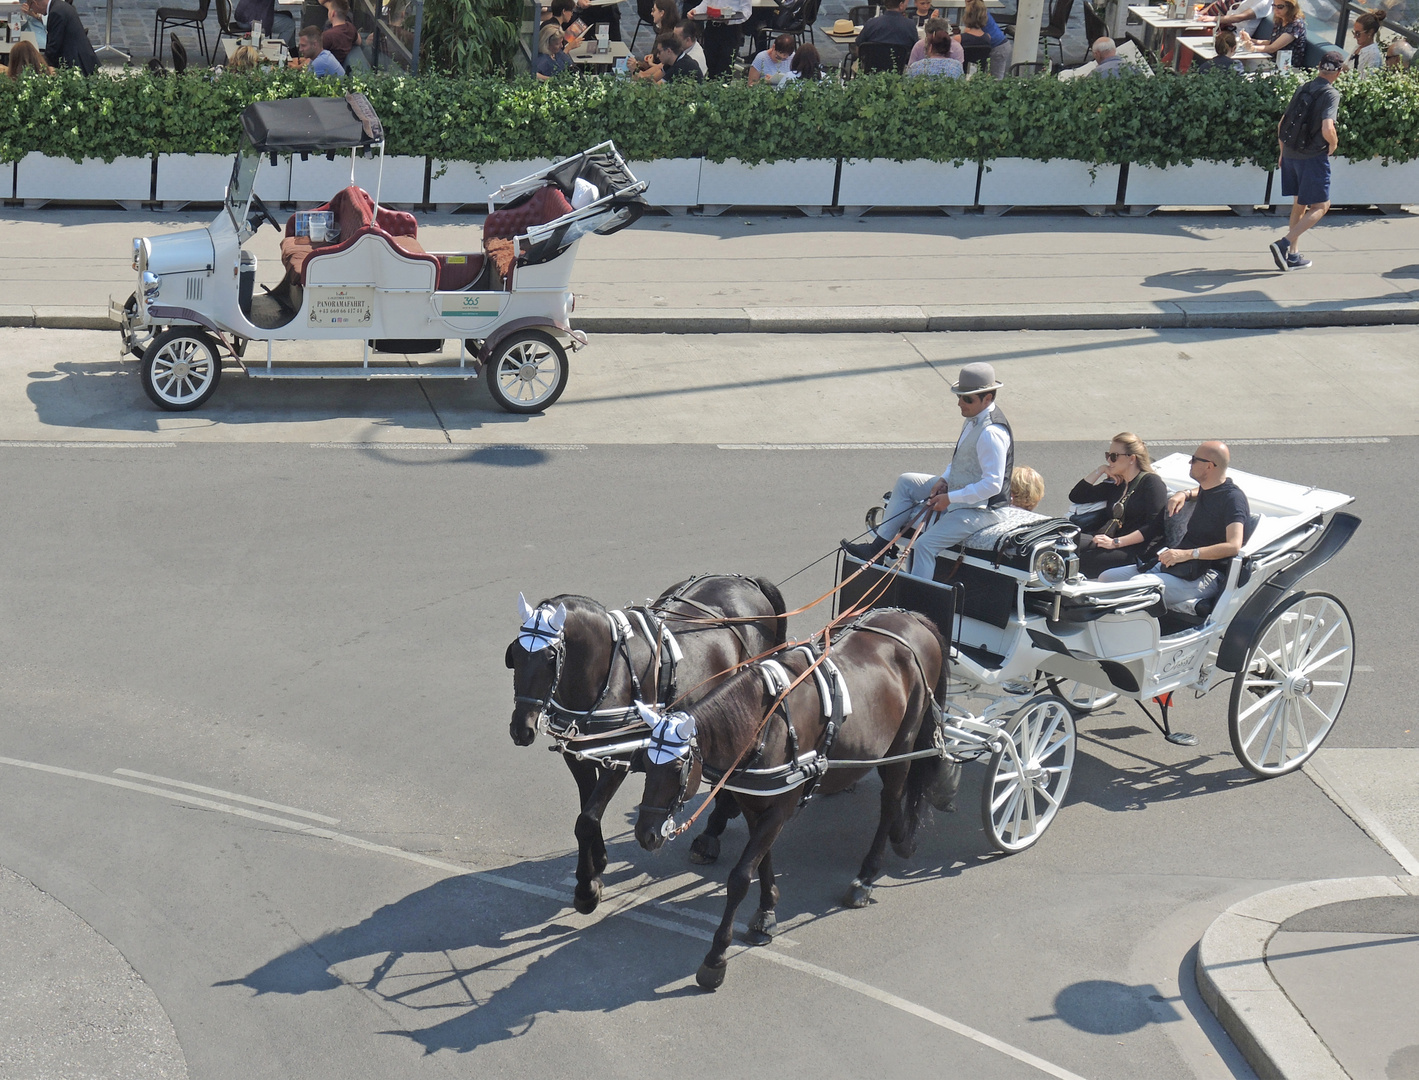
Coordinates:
<point>1307,137</point>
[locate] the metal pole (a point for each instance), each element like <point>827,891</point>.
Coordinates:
<point>1027,32</point>
<point>418,35</point>
<point>108,48</point>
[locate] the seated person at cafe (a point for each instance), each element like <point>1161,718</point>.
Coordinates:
<point>892,27</point>
<point>1225,42</point>
<point>25,57</point>
<point>557,16</point>
<point>1196,569</point>
<point>340,36</point>
<point>932,25</point>
<point>775,62</point>
<point>1367,54</point>
<point>938,60</point>
<point>807,65</point>
<point>1106,57</point>
<point>674,62</point>
<point>1289,34</point>
<point>687,32</point>
<point>1400,54</point>
<point>246,58</point>
<point>1243,15</point>
<point>316,56</point>
<point>555,60</point>
<point>978,28</point>
<point>66,41</point>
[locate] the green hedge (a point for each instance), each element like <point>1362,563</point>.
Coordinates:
<point>1159,121</point>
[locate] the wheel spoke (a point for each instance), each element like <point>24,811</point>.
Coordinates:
<point>1325,717</point>
<point>1324,660</point>
<point>1258,704</point>
<point>1251,739</point>
<point>1000,799</point>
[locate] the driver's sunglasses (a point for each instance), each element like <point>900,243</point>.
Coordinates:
<point>970,399</point>
<point>1111,457</point>
<point>1195,460</point>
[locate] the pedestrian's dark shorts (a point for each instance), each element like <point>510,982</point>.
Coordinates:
<point>1307,178</point>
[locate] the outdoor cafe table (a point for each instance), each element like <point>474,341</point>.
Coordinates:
<point>1158,27</point>
<point>273,50</point>
<point>586,54</point>
<point>1203,48</point>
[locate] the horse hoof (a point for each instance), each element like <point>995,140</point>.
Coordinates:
<point>710,977</point>
<point>858,895</point>
<point>762,929</point>
<point>704,850</point>
<point>586,898</point>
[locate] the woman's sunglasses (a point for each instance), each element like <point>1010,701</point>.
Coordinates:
<point>1111,457</point>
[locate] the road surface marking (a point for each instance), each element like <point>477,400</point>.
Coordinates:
<point>838,446</point>
<point>42,444</point>
<point>625,906</point>
<point>1345,441</point>
<point>227,795</point>
<point>443,446</point>
<point>1340,794</point>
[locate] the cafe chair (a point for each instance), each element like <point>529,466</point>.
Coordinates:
<point>1028,69</point>
<point>644,17</point>
<point>975,56</point>
<point>860,14</point>
<point>880,56</point>
<point>1315,49</point>
<point>225,26</point>
<point>191,18</point>
<point>179,55</point>
<point>1095,27</point>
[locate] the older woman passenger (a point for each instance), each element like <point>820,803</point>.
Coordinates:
<point>1289,34</point>
<point>1136,496</point>
<point>932,25</point>
<point>938,60</point>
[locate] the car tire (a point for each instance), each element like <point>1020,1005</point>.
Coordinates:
<point>181,368</point>
<point>527,372</point>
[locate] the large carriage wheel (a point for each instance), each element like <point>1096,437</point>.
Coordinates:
<point>1083,698</point>
<point>527,372</point>
<point>1292,685</point>
<point>181,367</point>
<point>1028,776</point>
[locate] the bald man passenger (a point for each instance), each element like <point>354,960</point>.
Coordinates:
<point>1196,569</point>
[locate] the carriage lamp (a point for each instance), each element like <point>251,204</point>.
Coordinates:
<point>151,284</point>
<point>1058,564</point>
<point>137,253</point>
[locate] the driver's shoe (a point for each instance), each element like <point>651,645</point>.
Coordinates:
<point>869,549</point>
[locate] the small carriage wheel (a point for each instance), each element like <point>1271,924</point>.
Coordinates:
<point>1028,776</point>
<point>1083,698</point>
<point>1292,684</point>
<point>136,340</point>
<point>528,372</point>
<point>181,368</point>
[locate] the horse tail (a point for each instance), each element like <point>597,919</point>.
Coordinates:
<point>774,597</point>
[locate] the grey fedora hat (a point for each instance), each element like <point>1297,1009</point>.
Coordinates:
<point>975,379</point>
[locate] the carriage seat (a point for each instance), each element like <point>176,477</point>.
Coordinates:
<point>545,204</point>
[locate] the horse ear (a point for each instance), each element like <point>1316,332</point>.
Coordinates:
<point>559,617</point>
<point>509,659</point>
<point>524,610</point>
<point>686,726</point>
<point>648,713</point>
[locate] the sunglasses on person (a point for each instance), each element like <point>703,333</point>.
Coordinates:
<point>1111,457</point>
<point>1195,460</point>
<point>970,399</point>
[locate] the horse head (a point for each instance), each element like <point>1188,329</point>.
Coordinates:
<point>536,657</point>
<point>672,773</point>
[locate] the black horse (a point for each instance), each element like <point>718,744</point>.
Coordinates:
<point>892,663</point>
<point>583,670</point>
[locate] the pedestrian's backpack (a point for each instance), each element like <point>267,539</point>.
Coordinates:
<point>1299,129</point>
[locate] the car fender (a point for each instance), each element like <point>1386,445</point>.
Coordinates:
<point>568,337</point>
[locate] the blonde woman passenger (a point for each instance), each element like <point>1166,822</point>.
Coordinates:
<point>1135,495</point>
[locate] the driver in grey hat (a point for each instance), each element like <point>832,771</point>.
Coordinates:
<point>967,496</point>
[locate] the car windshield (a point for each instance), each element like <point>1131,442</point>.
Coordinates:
<point>243,178</point>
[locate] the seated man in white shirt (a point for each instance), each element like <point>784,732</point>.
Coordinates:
<point>688,34</point>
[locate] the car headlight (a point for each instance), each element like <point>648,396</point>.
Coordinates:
<point>151,284</point>
<point>137,253</point>
<point>1052,567</point>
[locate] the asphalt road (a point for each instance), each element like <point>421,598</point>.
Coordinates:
<point>323,629</point>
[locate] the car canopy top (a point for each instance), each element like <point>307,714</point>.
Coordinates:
<point>312,124</point>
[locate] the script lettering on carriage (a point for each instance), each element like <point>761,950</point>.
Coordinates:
<point>341,307</point>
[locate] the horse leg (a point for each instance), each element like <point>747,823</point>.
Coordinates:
<point>705,848</point>
<point>596,787</point>
<point>764,925</point>
<point>914,810</point>
<point>894,779</point>
<point>763,831</point>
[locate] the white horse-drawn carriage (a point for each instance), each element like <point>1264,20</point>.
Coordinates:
<point>1034,645</point>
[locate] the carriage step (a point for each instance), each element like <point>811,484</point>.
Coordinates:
<point>372,372</point>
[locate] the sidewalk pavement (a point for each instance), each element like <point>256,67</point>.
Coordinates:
<point>784,273</point>
<point>1320,980</point>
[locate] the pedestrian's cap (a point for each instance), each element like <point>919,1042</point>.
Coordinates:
<point>1332,61</point>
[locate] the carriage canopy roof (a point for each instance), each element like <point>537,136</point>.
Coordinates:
<point>312,124</point>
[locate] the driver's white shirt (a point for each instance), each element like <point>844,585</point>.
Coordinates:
<point>991,449</point>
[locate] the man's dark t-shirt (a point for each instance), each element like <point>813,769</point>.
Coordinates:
<point>683,68</point>
<point>1215,509</point>
<point>340,40</point>
<point>889,28</point>
<point>1325,107</point>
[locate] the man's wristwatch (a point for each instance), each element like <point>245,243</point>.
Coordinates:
<point>1197,553</point>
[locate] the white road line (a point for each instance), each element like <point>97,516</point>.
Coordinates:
<point>41,444</point>
<point>1340,794</point>
<point>227,795</point>
<point>838,446</point>
<point>446,447</point>
<point>625,906</point>
<point>1348,441</point>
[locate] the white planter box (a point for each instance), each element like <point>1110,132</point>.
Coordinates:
<point>193,177</point>
<point>801,182</point>
<point>1059,182</point>
<point>467,182</point>
<point>673,181</point>
<point>121,180</point>
<point>318,178</point>
<point>882,182</point>
<point>1365,183</point>
<point>1203,183</point>
<point>273,182</point>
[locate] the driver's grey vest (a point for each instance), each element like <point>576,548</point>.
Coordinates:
<point>965,463</point>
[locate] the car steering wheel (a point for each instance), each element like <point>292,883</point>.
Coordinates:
<point>263,213</point>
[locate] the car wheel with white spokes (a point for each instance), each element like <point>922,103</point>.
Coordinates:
<point>1028,773</point>
<point>527,372</point>
<point>1292,684</point>
<point>181,368</point>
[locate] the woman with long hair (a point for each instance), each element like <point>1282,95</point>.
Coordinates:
<point>1368,54</point>
<point>25,57</point>
<point>1135,496</point>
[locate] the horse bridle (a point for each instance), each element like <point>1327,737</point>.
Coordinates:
<point>560,721</point>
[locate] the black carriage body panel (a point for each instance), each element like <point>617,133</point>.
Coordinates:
<point>879,588</point>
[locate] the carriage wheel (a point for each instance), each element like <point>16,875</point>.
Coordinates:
<point>1083,698</point>
<point>1028,776</point>
<point>181,367</point>
<point>527,372</point>
<point>1292,685</point>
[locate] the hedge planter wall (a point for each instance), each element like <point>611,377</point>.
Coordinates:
<point>883,182</point>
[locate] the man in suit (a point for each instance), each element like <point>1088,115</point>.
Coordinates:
<point>892,27</point>
<point>66,41</point>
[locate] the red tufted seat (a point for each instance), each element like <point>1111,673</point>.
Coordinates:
<point>545,204</point>
<point>355,215</point>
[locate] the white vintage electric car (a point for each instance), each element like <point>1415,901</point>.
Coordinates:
<point>355,271</point>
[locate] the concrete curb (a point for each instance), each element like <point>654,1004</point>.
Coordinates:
<point>1238,987</point>
<point>1162,315</point>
